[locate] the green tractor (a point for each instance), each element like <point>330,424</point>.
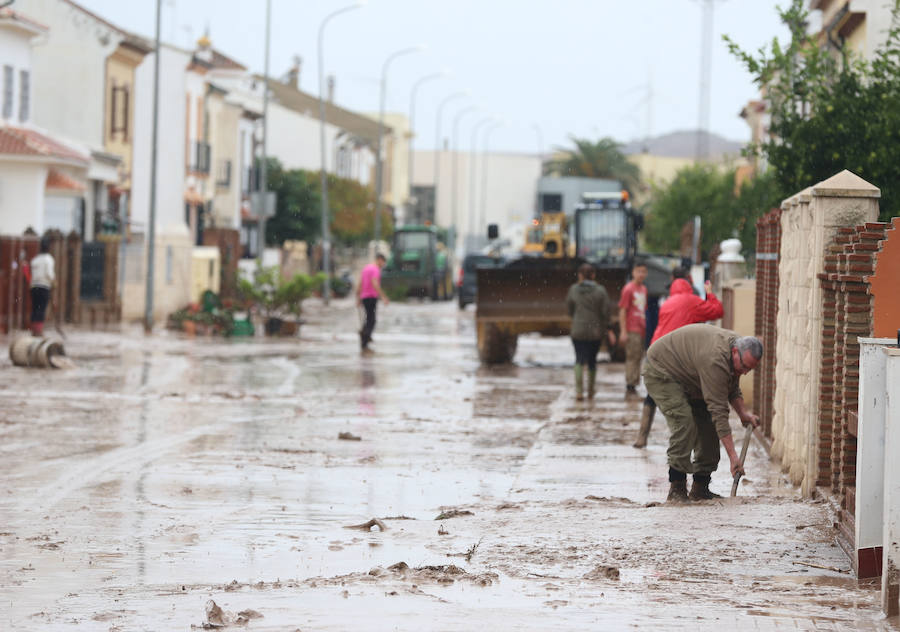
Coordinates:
<point>419,264</point>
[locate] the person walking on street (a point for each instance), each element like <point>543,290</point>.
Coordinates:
<point>693,374</point>
<point>588,305</point>
<point>633,325</point>
<point>367,294</point>
<point>683,307</point>
<point>43,276</point>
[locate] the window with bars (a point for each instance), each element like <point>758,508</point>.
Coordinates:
<point>7,91</point>
<point>24,95</point>
<point>119,109</point>
<point>223,173</point>
<point>201,157</point>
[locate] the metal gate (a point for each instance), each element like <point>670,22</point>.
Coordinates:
<point>92,270</point>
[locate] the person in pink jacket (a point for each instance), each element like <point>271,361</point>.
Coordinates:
<point>683,307</point>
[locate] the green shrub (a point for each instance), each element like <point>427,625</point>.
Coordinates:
<point>274,295</point>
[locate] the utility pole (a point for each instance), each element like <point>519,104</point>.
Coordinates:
<point>264,165</point>
<point>151,228</point>
<point>706,35</point>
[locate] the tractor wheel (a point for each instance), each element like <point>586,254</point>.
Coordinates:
<point>495,346</point>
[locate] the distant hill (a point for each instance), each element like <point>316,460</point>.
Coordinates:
<point>683,145</point>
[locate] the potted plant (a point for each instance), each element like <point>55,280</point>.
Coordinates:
<point>277,299</point>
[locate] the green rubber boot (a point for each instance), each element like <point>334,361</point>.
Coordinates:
<point>591,383</point>
<point>579,382</point>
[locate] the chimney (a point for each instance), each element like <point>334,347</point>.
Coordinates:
<point>293,75</point>
<point>330,92</point>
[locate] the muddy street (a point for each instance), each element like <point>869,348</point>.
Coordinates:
<point>411,489</point>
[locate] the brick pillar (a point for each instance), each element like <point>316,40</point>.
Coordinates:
<point>768,244</point>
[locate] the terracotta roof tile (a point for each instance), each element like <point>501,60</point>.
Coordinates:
<point>58,181</point>
<point>25,142</point>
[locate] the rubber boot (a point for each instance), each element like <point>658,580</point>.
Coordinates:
<point>579,382</point>
<point>700,488</point>
<point>591,382</point>
<point>677,487</point>
<point>647,414</point>
<point>678,492</point>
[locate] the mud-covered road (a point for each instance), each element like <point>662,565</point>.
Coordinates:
<point>165,472</point>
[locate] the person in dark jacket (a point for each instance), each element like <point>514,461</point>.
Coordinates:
<point>683,307</point>
<point>588,305</point>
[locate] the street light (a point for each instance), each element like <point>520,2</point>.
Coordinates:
<point>473,207</point>
<point>326,236</point>
<point>484,167</point>
<point>454,216</point>
<point>540,140</point>
<point>437,146</point>
<point>379,161</point>
<point>264,166</point>
<point>412,115</point>
<point>151,228</point>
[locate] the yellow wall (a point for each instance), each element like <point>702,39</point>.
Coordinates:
<point>224,119</point>
<point>120,68</point>
<point>742,319</point>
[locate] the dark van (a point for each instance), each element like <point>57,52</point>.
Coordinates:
<point>467,284</point>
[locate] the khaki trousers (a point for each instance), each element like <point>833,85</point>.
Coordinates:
<point>691,428</point>
<point>634,351</point>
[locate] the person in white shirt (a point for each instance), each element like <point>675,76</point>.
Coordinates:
<point>43,275</point>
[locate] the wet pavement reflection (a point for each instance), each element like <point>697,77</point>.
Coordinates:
<point>163,472</point>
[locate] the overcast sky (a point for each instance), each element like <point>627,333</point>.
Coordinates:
<point>582,67</point>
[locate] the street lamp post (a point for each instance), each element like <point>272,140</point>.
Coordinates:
<point>264,166</point>
<point>412,118</point>
<point>540,140</point>
<point>379,161</point>
<point>473,207</point>
<point>437,143</point>
<point>151,228</point>
<point>484,168</point>
<point>326,232</point>
<point>454,215</point>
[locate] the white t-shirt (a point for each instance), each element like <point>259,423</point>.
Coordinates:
<point>43,272</point>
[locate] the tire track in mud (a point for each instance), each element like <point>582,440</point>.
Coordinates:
<point>50,495</point>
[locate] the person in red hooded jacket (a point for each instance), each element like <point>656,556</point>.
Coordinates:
<point>683,307</point>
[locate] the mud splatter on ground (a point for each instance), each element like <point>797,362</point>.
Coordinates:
<point>161,474</point>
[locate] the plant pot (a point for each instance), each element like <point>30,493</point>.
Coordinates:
<point>289,328</point>
<point>273,326</point>
<point>189,327</point>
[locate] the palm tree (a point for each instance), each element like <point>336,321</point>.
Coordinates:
<point>601,159</point>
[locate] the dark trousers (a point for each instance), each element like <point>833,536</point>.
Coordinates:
<point>586,352</point>
<point>40,298</point>
<point>369,326</point>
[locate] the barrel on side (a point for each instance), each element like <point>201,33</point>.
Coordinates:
<point>37,352</point>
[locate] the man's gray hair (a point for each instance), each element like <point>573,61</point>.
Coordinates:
<point>751,344</point>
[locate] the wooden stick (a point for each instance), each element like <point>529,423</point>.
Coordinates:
<point>824,568</point>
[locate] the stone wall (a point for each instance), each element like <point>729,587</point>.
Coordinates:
<point>809,222</point>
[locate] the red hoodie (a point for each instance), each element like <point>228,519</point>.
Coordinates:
<point>684,308</point>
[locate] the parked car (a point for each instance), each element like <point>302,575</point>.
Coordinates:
<point>467,284</point>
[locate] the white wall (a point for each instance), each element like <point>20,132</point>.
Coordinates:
<point>170,152</point>
<point>15,51</point>
<point>508,200</point>
<point>22,196</point>
<point>69,67</point>
<point>294,139</point>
